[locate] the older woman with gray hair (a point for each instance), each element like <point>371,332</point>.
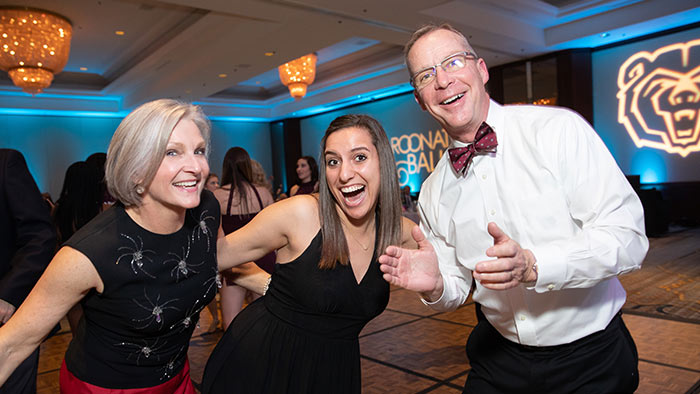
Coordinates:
<point>142,270</point>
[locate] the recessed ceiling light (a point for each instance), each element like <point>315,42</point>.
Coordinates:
<point>270,53</point>
<point>605,35</point>
<point>223,75</point>
<point>83,68</point>
<point>119,32</point>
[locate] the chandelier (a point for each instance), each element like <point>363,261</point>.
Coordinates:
<point>34,45</point>
<point>298,74</point>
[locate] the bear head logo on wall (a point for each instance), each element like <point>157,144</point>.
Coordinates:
<point>659,98</point>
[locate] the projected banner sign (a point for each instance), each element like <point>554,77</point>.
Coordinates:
<point>659,98</point>
<point>417,152</point>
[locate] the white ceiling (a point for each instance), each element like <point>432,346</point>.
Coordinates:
<point>178,48</point>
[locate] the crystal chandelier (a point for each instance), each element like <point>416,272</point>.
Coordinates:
<point>34,45</point>
<point>298,74</point>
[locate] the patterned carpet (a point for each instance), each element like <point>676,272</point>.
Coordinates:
<point>669,285</point>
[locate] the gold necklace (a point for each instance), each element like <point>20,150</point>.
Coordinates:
<point>365,248</point>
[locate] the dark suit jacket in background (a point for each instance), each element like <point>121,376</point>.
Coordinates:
<point>27,236</point>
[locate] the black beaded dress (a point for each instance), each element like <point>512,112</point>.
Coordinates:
<point>302,336</point>
<point>136,333</point>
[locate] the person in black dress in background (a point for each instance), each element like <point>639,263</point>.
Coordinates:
<point>80,201</point>
<point>141,270</point>
<point>240,200</point>
<point>302,336</point>
<point>307,172</point>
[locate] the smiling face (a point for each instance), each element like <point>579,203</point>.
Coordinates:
<point>303,171</point>
<point>457,100</point>
<point>180,178</point>
<point>352,172</point>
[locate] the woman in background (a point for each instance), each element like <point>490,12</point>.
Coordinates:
<point>240,200</point>
<point>80,199</point>
<point>98,159</point>
<point>307,172</point>
<point>259,176</point>
<point>212,182</point>
<point>302,336</point>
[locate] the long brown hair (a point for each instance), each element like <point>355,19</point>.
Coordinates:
<point>237,171</point>
<point>388,211</point>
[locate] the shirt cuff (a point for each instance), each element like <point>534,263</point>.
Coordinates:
<point>551,273</point>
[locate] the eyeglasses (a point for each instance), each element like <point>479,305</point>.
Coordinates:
<point>451,64</point>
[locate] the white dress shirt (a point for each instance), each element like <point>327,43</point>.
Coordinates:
<point>553,187</point>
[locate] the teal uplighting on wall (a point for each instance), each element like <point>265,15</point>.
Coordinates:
<point>650,166</point>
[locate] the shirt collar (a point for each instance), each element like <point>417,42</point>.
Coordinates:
<point>494,118</point>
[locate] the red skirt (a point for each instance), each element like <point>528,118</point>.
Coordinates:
<point>179,384</point>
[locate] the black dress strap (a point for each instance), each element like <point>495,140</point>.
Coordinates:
<point>230,198</point>
<point>255,189</point>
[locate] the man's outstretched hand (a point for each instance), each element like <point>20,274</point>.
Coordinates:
<point>413,269</point>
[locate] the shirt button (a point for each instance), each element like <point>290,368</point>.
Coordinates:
<point>493,212</point>
<point>550,287</point>
<point>483,176</point>
<point>522,317</point>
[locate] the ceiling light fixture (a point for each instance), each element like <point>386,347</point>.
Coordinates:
<point>298,74</point>
<point>34,46</point>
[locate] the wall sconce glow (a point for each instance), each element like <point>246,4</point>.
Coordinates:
<point>659,98</point>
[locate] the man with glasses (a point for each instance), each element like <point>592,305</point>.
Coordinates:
<point>529,209</point>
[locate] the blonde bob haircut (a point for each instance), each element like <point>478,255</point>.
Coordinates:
<point>139,144</point>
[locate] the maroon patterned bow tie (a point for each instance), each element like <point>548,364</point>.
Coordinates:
<point>485,141</point>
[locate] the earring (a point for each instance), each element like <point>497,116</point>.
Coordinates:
<point>139,189</point>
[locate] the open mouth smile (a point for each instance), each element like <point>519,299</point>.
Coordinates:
<point>353,194</point>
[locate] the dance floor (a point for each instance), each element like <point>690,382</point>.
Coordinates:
<point>412,349</point>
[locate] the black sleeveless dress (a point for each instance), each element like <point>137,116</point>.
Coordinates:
<point>232,222</point>
<point>302,336</point>
<point>135,334</point>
